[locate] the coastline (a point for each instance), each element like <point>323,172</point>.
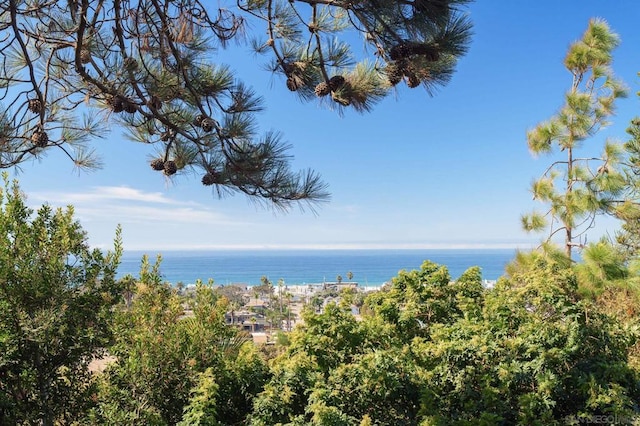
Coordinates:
<point>370,267</point>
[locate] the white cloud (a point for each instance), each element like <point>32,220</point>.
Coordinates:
<point>145,214</point>
<point>347,208</point>
<point>102,193</point>
<point>159,221</point>
<point>130,205</point>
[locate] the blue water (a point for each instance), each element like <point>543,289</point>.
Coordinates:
<point>369,267</point>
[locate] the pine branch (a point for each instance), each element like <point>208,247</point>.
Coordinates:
<point>153,68</point>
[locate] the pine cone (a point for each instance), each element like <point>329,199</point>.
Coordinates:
<point>394,73</point>
<point>322,89</point>
<point>85,56</point>
<point>35,106</point>
<point>290,68</point>
<point>40,138</point>
<point>293,84</point>
<point>336,82</point>
<point>154,102</point>
<point>430,7</point>
<point>209,179</point>
<point>129,107</point>
<point>116,103</point>
<point>130,64</point>
<point>198,120</point>
<point>208,124</point>
<point>170,168</point>
<point>399,51</point>
<point>406,49</point>
<point>412,80</point>
<point>166,136</point>
<point>157,164</point>
<point>342,100</point>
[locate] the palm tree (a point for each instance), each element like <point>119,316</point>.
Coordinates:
<point>233,312</point>
<point>129,283</point>
<point>288,296</point>
<point>316,302</point>
<point>274,318</point>
<point>280,285</point>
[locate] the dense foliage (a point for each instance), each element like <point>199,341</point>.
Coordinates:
<point>629,236</point>
<point>175,361</point>
<point>56,297</point>
<point>536,353</point>
<point>550,344</point>
<point>430,350</point>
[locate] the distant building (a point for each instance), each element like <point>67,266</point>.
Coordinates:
<point>261,338</point>
<point>335,285</point>
<point>489,283</point>
<point>242,286</point>
<point>257,305</point>
<point>248,321</point>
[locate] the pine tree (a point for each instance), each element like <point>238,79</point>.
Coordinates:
<point>628,238</point>
<point>577,188</point>
<point>155,67</point>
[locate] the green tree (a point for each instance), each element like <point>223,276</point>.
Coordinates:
<point>285,396</point>
<point>416,300</point>
<point>201,410</point>
<point>56,297</point>
<point>320,344</point>
<point>281,287</point>
<point>316,302</point>
<point>534,353</point>
<point>602,263</point>
<point>233,293</point>
<point>289,297</point>
<point>628,237</point>
<point>160,375</point>
<point>381,384</point>
<point>577,188</point>
<point>155,68</point>
<point>340,370</point>
<point>265,288</point>
<point>435,351</point>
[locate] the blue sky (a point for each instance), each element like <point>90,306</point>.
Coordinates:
<point>451,170</point>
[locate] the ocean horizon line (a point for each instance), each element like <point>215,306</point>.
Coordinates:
<point>313,266</point>
<point>339,247</point>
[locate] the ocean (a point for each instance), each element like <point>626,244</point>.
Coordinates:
<point>297,267</point>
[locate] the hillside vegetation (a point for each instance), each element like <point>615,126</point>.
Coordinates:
<point>548,345</point>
